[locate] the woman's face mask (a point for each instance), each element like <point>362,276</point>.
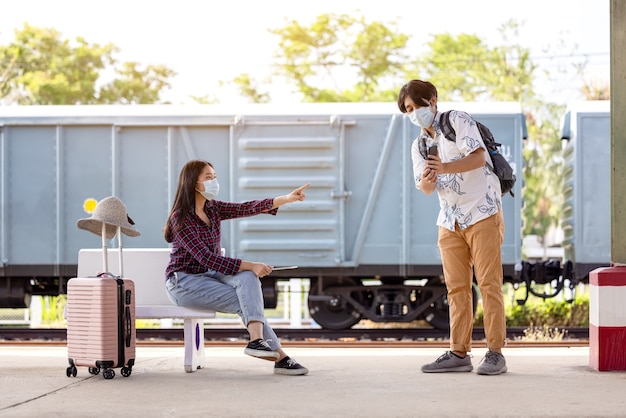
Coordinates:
<point>422,117</point>
<point>211,188</point>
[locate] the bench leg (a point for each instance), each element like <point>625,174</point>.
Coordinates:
<point>194,344</point>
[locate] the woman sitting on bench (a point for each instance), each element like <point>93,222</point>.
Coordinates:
<point>199,276</point>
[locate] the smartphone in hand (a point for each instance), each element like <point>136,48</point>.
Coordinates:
<point>432,150</point>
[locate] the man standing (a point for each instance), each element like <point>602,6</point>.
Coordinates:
<point>470,221</point>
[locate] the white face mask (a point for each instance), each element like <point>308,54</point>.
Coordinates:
<point>422,117</point>
<point>211,188</point>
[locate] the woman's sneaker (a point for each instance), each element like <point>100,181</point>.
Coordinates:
<point>260,348</point>
<point>449,362</point>
<point>493,363</point>
<point>289,366</point>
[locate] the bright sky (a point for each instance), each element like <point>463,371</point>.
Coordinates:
<point>207,41</point>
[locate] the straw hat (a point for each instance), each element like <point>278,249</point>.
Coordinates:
<point>112,212</point>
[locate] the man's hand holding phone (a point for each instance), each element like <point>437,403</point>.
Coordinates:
<point>430,173</point>
<point>432,150</point>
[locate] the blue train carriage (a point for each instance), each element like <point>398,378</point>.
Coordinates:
<point>365,237</point>
<point>586,130</point>
<point>585,216</point>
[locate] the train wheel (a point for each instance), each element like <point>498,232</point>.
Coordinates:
<point>335,313</point>
<point>438,313</point>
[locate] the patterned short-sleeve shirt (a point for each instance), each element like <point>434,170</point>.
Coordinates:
<point>464,198</point>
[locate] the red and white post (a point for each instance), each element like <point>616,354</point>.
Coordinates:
<point>607,318</point>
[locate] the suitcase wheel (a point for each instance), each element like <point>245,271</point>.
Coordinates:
<point>94,370</point>
<point>126,371</point>
<point>71,371</point>
<point>108,373</point>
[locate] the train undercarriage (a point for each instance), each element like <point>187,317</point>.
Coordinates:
<point>341,301</point>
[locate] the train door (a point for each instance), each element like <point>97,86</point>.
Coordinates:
<point>272,157</point>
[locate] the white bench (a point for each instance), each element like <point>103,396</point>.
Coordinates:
<point>146,268</point>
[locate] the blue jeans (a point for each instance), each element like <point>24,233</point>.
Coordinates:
<point>240,293</point>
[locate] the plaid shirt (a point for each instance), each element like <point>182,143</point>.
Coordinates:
<point>196,247</point>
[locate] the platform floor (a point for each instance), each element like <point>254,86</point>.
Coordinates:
<point>343,382</point>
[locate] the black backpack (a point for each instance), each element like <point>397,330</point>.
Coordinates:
<point>499,165</point>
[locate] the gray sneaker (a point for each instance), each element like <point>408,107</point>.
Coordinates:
<point>492,363</point>
<point>449,362</point>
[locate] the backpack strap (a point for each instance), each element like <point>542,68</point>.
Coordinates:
<point>448,131</point>
<point>422,147</point>
<point>446,126</point>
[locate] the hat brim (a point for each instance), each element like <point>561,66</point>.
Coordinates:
<point>95,226</point>
<point>130,231</point>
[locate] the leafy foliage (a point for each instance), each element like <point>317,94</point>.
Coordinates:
<point>543,169</point>
<point>465,68</point>
<point>40,67</point>
<point>544,313</point>
<point>248,87</point>
<point>136,86</point>
<point>318,58</point>
<point>53,310</point>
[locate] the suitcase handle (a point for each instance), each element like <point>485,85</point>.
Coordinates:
<point>107,275</point>
<point>128,327</point>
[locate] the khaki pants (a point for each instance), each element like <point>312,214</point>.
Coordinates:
<point>478,246</point>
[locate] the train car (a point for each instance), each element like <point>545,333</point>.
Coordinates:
<point>365,237</point>
<point>586,130</point>
<point>585,216</point>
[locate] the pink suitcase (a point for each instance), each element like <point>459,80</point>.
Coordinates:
<point>101,322</point>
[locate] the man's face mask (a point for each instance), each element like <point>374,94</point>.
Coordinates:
<point>422,117</point>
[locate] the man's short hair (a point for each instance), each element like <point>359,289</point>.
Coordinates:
<point>419,91</point>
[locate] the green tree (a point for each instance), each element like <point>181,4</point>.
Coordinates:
<point>41,67</point>
<point>337,58</point>
<point>456,66</point>
<point>250,88</point>
<point>594,89</point>
<point>467,69</point>
<point>135,86</point>
<point>543,172</point>
<point>8,60</point>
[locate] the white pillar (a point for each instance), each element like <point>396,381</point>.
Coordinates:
<point>284,289</point>
<point>295,290</point>
<point>35,311</point>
